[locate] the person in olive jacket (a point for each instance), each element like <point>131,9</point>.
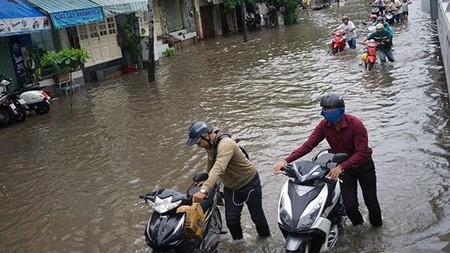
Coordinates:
<point>242,185</point>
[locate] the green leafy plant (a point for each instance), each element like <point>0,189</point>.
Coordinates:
<point>169,51</point>
<point>132,41</point>
<point>65,60</point>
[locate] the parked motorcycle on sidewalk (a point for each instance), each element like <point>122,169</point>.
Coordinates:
<point>37,100</point>
<point>310,207</point>
<point>338,42</point>
<point>172,229</point>
<point>369,55</point>
<point>11,109</point>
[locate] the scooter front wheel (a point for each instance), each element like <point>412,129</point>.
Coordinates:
<point>335,50</point>
<point>21,116</point>
<point>5,118</point>
<point>304,248</point>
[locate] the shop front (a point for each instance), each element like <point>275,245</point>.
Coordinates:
<point>22,28</point>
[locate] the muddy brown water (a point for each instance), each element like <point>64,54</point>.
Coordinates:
<point>70,180</point>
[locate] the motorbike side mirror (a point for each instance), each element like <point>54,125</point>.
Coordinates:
<point>201,176</point>
<point>339,157</point>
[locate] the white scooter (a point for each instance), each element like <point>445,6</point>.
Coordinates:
<point>37,100</point>
<point>310,207</point>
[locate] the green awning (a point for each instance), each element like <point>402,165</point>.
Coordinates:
<point>64,13</point>
<point>116,7</point>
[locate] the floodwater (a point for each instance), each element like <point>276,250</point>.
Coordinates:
<point>70,180</point>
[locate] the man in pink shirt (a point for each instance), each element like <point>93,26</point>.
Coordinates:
<point>345,134</point>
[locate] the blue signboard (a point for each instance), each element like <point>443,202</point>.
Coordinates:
<point>77,17</point>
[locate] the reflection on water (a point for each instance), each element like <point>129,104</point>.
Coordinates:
<point>70,179</point>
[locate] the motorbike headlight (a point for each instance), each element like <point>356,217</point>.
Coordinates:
<point>165,205</point>
<point>285,217</point>
<point>307,220</point>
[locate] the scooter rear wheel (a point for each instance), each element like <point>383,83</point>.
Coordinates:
<point>42,108</point>
<point>370,66</point>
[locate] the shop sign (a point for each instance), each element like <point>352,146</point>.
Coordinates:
<point>23,25</point>
<point>77,17</point>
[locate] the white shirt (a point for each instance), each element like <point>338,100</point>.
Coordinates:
<point>346,28</point>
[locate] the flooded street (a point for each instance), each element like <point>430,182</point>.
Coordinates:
<point>70,179</point>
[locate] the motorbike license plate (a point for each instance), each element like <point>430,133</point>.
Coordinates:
<point>22,101</point>
<point>12,106</point>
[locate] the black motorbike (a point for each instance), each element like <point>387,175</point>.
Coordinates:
<point>166,230</point>
<point>12,109</point>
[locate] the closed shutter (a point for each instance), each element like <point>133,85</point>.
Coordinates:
<point>174,15</point>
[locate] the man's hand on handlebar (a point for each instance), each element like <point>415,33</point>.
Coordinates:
<point>277,168</point>
<point>198,197</point>
<point>334,173</point>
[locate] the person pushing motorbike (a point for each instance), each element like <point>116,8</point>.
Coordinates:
<point>382,36</point>
<point>349,29</point>
<point>345,134</point>
<point>242,185</point>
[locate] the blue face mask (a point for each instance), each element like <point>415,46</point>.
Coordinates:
<point>333,116</point>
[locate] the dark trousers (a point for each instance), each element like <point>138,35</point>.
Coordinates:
<point>365,176</point>
<point>251,195</point>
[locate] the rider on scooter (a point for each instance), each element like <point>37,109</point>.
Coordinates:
<point>385,39</point>
<point>378,7</point>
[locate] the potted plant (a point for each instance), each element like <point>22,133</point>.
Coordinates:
<point>64,61</point>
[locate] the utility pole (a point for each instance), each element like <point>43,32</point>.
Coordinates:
<point>198,19</point>
<point>151,44</point>
<point>244,24</point>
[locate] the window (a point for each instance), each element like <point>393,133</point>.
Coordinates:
<point>96,30</point>
<point>102,29</point>
<point>111,25</point>
<point>83,33</point>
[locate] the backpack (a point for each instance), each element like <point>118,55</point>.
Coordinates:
<point>225,135</point>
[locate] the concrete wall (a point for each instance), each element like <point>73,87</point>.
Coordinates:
<point>426,5</point>
<point>443,26</point>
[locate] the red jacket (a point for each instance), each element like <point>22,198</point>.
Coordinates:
<point>351,139</point>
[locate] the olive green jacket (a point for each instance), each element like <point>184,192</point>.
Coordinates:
<point>229,165</point>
